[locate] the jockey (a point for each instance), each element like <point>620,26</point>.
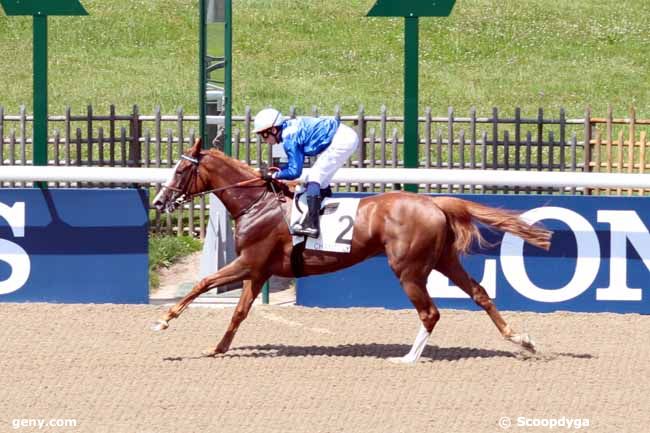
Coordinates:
<point>326,137</point>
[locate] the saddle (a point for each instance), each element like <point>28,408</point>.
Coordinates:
<point>337,216</point>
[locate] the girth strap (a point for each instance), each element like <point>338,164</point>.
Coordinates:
<point>297,259</point>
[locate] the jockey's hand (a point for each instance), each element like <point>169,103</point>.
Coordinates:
<point>269,175</point>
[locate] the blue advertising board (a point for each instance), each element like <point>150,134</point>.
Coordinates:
<point>599,261</point>
<point>74,245</point>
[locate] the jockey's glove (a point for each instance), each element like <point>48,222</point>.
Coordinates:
<point>267,176</point>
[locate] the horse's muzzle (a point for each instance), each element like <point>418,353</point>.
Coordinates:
<point>167,206</point>
<point>167,201</point>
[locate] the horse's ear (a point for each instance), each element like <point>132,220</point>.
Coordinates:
<point>196,149</point>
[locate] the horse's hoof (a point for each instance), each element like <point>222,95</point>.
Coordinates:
<point>524,341</point>
<point>214,352</point>
<point>209,353</point>
<point>528,343</point>
<point>160,325</point>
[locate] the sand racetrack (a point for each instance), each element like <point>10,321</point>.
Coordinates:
<point>295,369</point>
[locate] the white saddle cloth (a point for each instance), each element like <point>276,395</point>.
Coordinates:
<point>336,223</point>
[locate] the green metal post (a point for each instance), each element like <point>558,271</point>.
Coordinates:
<point>411,137</point>
<point>40,11</point>
<point>411,10</point>
<point>228,108</point>
<point>228,79</point>
<point>40,93</point>
<point>202,72</point>
<point>265,293</point>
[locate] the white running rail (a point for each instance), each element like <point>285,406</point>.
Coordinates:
<point>346,175</point>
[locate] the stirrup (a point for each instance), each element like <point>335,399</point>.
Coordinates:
<point>299,230</point>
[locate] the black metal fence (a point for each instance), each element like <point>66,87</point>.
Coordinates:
<point>542,142</point>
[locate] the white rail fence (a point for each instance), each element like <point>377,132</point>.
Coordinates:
<point>347,175</point>
<point>192,218</point>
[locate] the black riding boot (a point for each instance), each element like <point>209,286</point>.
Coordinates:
<point>310,225</point>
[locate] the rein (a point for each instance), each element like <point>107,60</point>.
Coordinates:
<point>234,185</point>
<point>186,198</point>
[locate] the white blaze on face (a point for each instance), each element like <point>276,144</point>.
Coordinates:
<point>160,194</point>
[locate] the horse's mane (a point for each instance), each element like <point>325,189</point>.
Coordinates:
<point>287,188</point>
<point>241,165</point>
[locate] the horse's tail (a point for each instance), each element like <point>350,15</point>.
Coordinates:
<point>462,215</point>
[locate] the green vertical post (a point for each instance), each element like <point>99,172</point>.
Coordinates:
<point>265,293</point>
<point>411,10</point>
<point>40,90</point>
<point>411,137</point>
<point>40,10</point>
<point>202,72</point>
<point>228,79</point>
<point>266,288</point>
<point>226,50</point>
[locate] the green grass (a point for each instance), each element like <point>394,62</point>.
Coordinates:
<point>532,53</point>
<point>125,52</point>
<point>166,250</point>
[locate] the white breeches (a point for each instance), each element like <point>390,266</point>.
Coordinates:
<point>344,143</point>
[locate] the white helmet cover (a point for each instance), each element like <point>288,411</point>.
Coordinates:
<point>266,119</point>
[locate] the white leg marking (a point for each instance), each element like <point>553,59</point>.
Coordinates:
<point>160,325</point>
<point>418,346</point>
<point>524,341</point>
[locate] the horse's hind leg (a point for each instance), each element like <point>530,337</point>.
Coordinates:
<point>452,268</point>
<point>410,258</point>
<point>416,290</point>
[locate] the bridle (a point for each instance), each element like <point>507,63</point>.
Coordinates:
<point>194,174</point>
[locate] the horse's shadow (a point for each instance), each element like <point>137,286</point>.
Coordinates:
<point>372,350</point>
<point>382,351</point>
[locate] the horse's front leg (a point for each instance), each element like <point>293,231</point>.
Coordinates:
<point>235,271</point>
<point>251,291</point>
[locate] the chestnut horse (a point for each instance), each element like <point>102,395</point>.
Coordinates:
<point>418,234</point>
